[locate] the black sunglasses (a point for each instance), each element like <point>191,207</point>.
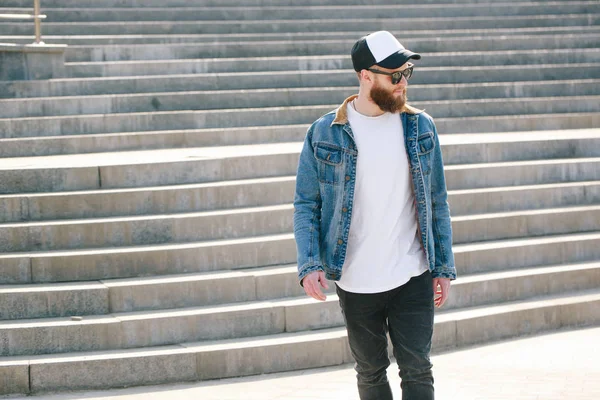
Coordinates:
<point>396,76</point>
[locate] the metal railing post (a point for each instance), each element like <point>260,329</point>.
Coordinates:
<point>38,22</point>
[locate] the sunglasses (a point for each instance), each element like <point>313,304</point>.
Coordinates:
<point>396,76</point>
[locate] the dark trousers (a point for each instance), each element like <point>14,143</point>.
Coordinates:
<point>407,314</point>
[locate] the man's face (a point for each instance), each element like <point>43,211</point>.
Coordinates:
<point>388,97</point>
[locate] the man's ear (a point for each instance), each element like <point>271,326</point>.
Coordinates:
<point>364,75</point>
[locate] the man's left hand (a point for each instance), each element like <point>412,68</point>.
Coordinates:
<point>441,290</point>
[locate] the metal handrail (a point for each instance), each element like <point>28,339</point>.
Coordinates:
<point>36,16</point>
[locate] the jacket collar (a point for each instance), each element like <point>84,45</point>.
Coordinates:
<point>341,114</point>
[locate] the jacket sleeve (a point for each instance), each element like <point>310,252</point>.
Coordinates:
<point>307,211</point>
<point>442,225</point>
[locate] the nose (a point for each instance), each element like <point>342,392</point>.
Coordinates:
<point>402,84</point>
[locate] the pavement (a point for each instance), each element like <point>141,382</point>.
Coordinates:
<point>558,365</point>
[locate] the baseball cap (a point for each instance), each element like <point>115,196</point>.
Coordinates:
<point>380,48</point>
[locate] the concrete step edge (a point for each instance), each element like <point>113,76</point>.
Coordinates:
<point>327,7</point>
<point>459,248</point>
<point>133,195</point>
<point>220,309</point>
<point>522,163</point>
<point>231,183</point>
<point>526,272</point>
<point>287,179</point>
<point>166,156</point>
<point>524,213</point>
<point>102,233</point>
<point>540,302</point>
<point>446,139</point>
<point>523,187</point>
<point>176,4</point>
<point>302,90</point>
<point>169,156</point>
<point>285,269</point>
<point>299,35</point>
<point>289,207</point>
<point>525,241</point>
<point>147,248</point>
<point>325,107</point>
<point>159,132</point>
<point>145,281</point>
<point>339,41</point>
<point>333,20</point>
<point>26,110</point>
<point>295,72</point>
<point>154,217</point>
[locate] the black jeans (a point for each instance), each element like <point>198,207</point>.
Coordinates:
<point>407,314</point>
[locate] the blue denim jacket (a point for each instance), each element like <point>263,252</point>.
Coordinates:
<point>325,192</point>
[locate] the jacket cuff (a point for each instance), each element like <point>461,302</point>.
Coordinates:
<point>308,268</point>
<point>443,271</point>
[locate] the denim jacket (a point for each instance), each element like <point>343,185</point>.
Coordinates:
<point>325,192</point>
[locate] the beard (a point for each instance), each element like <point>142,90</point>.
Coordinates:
<point>386,100</point>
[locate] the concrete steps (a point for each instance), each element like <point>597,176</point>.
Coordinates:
<point>256,318</point>
<point>213,164</point>
<point>259,284</point>
<point>272,220</point>
<point>149,194</point>
<point>219,100</point>
<point>235,357</point>
<point>291,79</point>
<point>317,47</point>
<point>148,140</point>
<point>73,40</point>
<point>509,74</point>
<point>144,200</point>
<point>227,3</point>
<point>361,25</point>
<point>131,121</point>
<point>310,63</point>
<point>264,192</point>
<point>217,255</point>
<point>265,13</point>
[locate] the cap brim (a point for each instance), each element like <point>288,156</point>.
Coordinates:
<point>398,59</point>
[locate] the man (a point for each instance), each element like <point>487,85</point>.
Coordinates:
<point>371,213</point>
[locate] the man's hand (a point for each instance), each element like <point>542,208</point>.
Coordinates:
<point>312,285</point>
<point>441,290</point>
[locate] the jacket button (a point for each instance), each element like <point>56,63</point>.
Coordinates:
<point>340,241</point>
<point>347,177</point>
<point>344,209</point>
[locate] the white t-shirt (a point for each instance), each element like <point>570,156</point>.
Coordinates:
<point>383,250</point>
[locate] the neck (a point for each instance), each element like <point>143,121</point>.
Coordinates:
<point>364,105</point>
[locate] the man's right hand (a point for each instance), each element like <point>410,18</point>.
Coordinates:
<point>312,284</point>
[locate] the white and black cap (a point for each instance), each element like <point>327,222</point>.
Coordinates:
<point>380,48</point>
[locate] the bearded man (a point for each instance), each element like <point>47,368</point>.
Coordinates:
<point>371,213</point>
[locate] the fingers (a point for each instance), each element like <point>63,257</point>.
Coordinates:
<point>441,291</point>
<point>311,286</point>
<point>315,292</point>
<point>323,280</point>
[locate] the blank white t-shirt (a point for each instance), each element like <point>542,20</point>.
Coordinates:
<point>383,250</point>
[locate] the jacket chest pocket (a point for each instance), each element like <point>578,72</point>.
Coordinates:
<point>425,145</point>
<point>329,162</point>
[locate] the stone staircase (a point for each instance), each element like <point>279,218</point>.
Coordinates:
<point>146,200</point>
